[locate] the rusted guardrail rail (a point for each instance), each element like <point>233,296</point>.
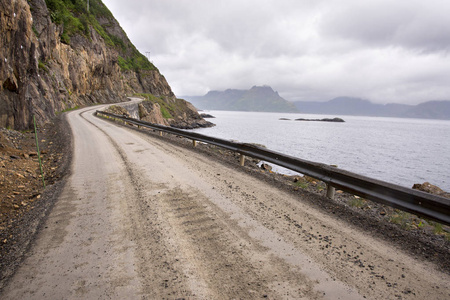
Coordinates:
<point>413,201</point>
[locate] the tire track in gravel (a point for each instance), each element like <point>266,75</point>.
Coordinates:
<point>283,278</point>
<point>161,273</point>
<point>209,257</point>
<point>204,254</point>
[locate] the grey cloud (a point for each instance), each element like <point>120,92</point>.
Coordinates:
<point>422,25</point>
<point>394,51</point>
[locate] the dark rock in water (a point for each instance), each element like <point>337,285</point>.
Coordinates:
<point>205,116</point>
<point>338,120</point>
<point>284,119</point>
<point>431,189</point>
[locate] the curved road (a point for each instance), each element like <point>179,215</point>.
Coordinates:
<point>144,219</point>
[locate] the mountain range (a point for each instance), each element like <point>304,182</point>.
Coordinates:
<point>265,99</point>
<point>361,107</point>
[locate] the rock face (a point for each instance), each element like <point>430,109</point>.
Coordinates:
<point>186,116</point>
<point>175,112</point>
<point>48,64</point>
<point>118,110</point>
<point>151,112</point>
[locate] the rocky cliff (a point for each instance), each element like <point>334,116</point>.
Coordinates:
<point>57,54</point>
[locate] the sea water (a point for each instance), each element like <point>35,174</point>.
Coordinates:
<point>397,150</point>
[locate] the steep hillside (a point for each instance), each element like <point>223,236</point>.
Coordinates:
<point>57,54</point>
<point>258,98</point>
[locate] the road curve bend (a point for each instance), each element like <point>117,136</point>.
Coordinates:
<point>143,219</point>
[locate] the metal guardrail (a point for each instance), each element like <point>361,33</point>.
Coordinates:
<point>420,203</point>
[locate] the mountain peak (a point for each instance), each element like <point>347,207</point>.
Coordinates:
<point>261,87</point>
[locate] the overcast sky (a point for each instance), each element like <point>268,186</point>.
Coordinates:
<point>380,50</point>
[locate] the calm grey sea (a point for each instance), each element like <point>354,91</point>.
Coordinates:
<point>401,151</point>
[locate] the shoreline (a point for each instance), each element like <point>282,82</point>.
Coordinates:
<point>382,149</point>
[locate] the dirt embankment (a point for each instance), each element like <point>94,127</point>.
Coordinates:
<point>23,201</point>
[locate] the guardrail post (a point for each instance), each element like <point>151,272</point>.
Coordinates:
<point>242,160</point>
<point>194,143</point>
<point>160,133</point>
<point>330,191</point>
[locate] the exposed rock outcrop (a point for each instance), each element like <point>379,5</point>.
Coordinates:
<point>187,117</point>
<point>431,189</point>
<point>45,68</point>
<point>206,116</point>
<point>151,112</point>
<point>171,112</point>
<point>118,110</point>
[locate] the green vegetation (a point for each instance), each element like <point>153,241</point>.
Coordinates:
<point>136,62</point>
<point>165,113</point>
<point>438,228</point>
<point>401,218</point>
<point>68,109</point>
<point>42,66</point>
<point>301,184</point>
<point>36,33</point>
<point>65,12</point>
<point>357,202</point>
<point>75,18</point>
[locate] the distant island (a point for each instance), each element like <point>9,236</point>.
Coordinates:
<point>258,99</point>
<point>265,99</point>
<point>337,120</point>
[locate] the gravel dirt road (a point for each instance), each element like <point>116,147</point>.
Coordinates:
<point>143,219</point>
